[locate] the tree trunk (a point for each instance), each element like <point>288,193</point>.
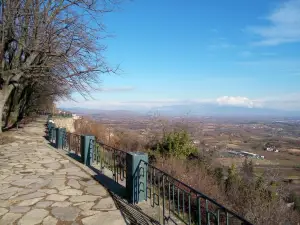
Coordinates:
<point>4,94</point>
<point>11,107</point>
<point>1,113</point>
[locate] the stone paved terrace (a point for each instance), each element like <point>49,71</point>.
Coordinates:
<point>39,185</point>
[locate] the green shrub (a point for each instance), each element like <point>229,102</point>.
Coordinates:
<point>218,173</point>
<point>296,199</point>
<point>176,143</point>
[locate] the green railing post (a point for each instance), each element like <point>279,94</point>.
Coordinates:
<point>53,139</point>
<point>59,138</point>
<point>86,149</point>
<point>51,133</point>
<point>50,125</point>
<point>64,139</point>
<point>136,176</point>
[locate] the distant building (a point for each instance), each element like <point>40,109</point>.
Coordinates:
<point>75,117</point>
<point>272,149</point>
<point>245,154</point>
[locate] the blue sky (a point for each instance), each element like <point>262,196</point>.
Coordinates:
<point>234,52</point>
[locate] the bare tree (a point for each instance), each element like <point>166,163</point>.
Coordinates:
<point>52,41</point>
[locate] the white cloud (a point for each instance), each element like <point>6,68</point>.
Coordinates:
<point>236,101</point>
<point>284,24</point>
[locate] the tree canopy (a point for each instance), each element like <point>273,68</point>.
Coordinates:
<point>50,48</point>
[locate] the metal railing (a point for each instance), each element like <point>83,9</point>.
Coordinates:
<point>182,204</point>
<point>178,202</point>
<point>66,141</point>
<point>110,158</point>
<point>73,143</point>
<point>52,135</point>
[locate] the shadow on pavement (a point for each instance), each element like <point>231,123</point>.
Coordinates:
<point>132,213</point>
<point>109,183</point>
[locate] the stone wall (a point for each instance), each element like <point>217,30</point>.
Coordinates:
<point>67,123</point>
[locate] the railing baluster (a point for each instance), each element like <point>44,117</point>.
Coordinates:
<point>183,205</point>
<point>190,216</point>
<point>173,197</point>
<point>169,198</point>
<point>163,201</point>
<point>178,201</point>
<point>227,218</point>
<point>207,212</point>
<point>198,211</point>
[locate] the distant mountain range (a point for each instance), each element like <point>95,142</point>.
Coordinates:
<point>199,109</point>
<point>209,109</point>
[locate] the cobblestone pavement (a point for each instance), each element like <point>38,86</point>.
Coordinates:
<point>40,186</point>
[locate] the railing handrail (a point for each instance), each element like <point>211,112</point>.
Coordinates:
<point>198,193</point>
<point>108,146</point>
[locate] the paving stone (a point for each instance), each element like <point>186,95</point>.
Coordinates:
<point>26,182</point>
<point>49,220</point>
<point>74,177</point>
<point>6,196</point>
<point>57,183</point>
<point>5,203</point>
<point>88,183</point>
<point>13,177</point>
<point>2,177</point>
<point>29,196</point>
<point>26,191</point>
<point>3,211</point>
<point>10,218</point>
<point>106,218</point>
<point>57,197</point>
<point>30,202</point>
<point>96,190</point>
<point>105,204</point>
<point>89,212</point>
<point>83,198</point>
<point>10,189</point>
<point>71,192</point>
<point>34,216</point>
<point>86,206</point>
<point>60,188</point>
<point>39,185</point>
<point>71,168</point>
<point>3,186</point>
<point>65,213</point>
<point>48,191</point>
<point>74,184</point>
<point>19,209</point>
<point>60,173</point>
<point>61,204</point>
<point>54,165</point>
<point>79,174</point>
<point>34,166</point>
<point>43,204</point>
